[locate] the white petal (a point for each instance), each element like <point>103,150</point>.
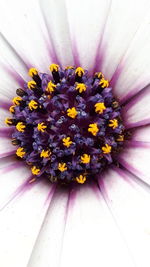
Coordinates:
<point>91,236</point>
<point>20,223</point>
<point>86,21</point>
<point>47,249</point>
<point>129,204</point>
<point>142,134</point>
<point>136,159</point>
<point>137,112</point>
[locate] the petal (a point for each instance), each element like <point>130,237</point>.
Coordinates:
<point>142,134</point>
<point>20,223</point>
<point>129,204</point>
<point>86,21</point>
<point>137,111</point>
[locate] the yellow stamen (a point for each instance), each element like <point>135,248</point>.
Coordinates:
<point>20,152</point>
<point>113,123</point>
<point>72,112</point>
<point>99,75</point>
<point>85,158</point>
<point>12,109</point>
<point>120,138</point>
<point>106,149</point>
<point>100,107</point>
<point>62,167</point>
<point>50,87</point>
<point>32,72</point>
<point>81,87</point>
<point>104,83</point>
<point>45,153</point>
<point>8,121</point>
<point>67,142</point>
<point>41,127</point>
<point>32,180</point>
<point>81,179</point>
<point>54,67</point>
<point>20,127</point>
<point>93,129</point>
<point>33,105</point>
<point>16,100</point>
<point>31,84</point>
<point>79,71</point>
<point>69,67</point>
<point>35,170</point>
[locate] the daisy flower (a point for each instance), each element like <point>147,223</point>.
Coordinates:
<point>74,133</point>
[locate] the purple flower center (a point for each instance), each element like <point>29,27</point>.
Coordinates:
<point>67,125</point>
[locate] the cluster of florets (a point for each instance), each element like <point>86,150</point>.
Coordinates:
<point>67,125</point>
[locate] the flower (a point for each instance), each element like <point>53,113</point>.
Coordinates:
<point>99,223</point>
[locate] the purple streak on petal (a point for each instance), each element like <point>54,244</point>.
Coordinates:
<point>127,166</point>
<point>5,154</point>
<point>7,43</point>
<point>122,174</point>
<point>136,144</point>
<point>11,167</point>
<point>6,132</point>
<point>116,75</point>
<point>5,104</point>
<point>50,194</point>
<point>137,124</point>
<point>15,75</point>
<point>101,184</point>
<point>100,52</point>
<point>75,53</point>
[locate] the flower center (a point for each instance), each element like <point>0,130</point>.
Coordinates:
<point>67,125</point>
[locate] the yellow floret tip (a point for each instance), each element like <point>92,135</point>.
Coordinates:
<point>113,124</point>
<point>100,107</point>
<point>20,127</point>
<point>72,112</point>
<point>62,167</point>
<point>99,75</point>
<point>45,153</point>
<point>104,83</point>
<point>81,179</point>
<point>69,68</point>
<point>81,87</point>
<point>67,142</point>
<point>106,149</point>
<point>16,100</point>
<point>120,138</point>
<point>79,71</point>
<point>41,127</point>
<point>33,105</point>
<point>35,170</point>
<point>12,109</point>
<point>85,158</point>
<point>54,67</point>
<point>50,87</point>
<point>32,72</point>
<point>93,129</point>
<point>20,152</point>
<point>31,84</point>
<point>8,121</point>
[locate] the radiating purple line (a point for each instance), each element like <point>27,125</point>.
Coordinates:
<point>15,75</point>
<point>6,132</point>
<point>11,167</point>
<point>75,52</point>
<point>136,144</point>
<point>5,104</point>
<point>131,125</point>
<point>5,154</point>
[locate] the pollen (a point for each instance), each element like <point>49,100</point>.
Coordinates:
<point>99,75</point>
<point>16,100</point>
<point>81,179</point>
<point>35,170</point>
<point>93,129</point>
<point>79,71</point>
<point>106,149</point>
<point>120,138</point>
<point>33,105</point>
<point>12,109</point>
<point>69,68</point>
<point>67,142</point>
<point>54,67</point>
<point>8,121</point>
<point>104,83</point>
<point>33,72</point>
<point>113,124</point>
<point>100,107</point>
<point>62,167</point>
<point>20,127</point>
<point>72,112</point>
<point>85,158</point>
<point>41,127</point>
<point>81,87</point>
<point>45,153</point>
<point>50,87</point>
<point>20,152</point>
<point>31,84</point>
